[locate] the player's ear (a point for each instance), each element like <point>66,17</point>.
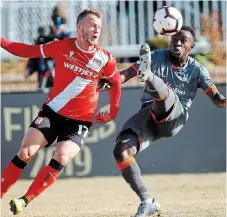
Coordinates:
<point>78,26</point>
<point>192,47</point>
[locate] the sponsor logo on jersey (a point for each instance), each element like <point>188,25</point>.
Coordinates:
<point>176,90</point>
<point>80,70</point>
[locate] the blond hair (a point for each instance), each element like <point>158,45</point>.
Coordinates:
<point>87,11</point>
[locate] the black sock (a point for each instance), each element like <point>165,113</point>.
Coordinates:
<point>18,162</point>
<point>25,199</point>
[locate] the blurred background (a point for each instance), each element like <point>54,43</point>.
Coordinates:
<point>200,147</point>
<point>126,25</point>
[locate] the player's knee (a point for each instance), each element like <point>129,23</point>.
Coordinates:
<point>63,158</point>
<point>122,151</point>
<point>26,153</point>
<point>66,151</point>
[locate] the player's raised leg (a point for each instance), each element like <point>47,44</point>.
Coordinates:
<point>31,143</point>
<point>162,96</point>
<point>126,148</point>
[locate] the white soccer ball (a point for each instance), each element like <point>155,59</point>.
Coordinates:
<point>167,21</point>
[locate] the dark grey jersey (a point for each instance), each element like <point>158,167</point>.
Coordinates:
<point>183,81</point>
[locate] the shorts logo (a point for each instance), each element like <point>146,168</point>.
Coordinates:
<point>44,184</point>
<point>39,120</point>
<point>96,63</point>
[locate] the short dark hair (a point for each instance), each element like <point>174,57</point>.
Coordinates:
<point>59,11</point>
<point>87,11</point>
<point>189,29</point>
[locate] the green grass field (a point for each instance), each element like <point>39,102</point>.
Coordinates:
<point>184,195</point>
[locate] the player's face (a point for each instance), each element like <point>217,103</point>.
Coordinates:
<point>90,28</point>
<point>181,44</point>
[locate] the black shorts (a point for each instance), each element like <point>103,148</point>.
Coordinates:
<point>54,126</point>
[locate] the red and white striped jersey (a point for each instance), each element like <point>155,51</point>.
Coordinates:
<point>77,72</point>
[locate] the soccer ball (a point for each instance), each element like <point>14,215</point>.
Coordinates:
<point>167,21</point>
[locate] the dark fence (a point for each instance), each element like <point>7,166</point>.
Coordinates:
<point>200,147</point>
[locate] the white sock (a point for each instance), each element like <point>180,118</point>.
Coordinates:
<point>150,200</point>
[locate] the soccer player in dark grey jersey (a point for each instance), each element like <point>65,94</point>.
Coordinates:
<point>171,81</point>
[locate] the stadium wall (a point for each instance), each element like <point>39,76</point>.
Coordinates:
<point>199,148</point>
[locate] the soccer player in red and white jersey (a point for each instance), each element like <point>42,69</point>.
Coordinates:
<point>67,113</point>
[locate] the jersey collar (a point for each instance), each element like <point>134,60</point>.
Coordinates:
<point>85,51</point>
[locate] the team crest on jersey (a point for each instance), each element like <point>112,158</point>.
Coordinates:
<point>39,120</point>
<point>96,63</point>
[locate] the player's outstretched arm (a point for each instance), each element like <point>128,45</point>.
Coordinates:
<point>115,95</point>
<point>21,49</point>
<point>218,99</point>
<point>127,74</point>
<point>206,83</point>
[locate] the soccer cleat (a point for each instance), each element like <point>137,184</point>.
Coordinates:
<point>148,209</point>
<point>17,205</point>
<point>145,63</point>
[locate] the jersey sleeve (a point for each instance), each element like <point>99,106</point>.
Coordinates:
<point>135,66</point>
<point>21,49</point>
<point>205,81</point>
<point>51,49</point>
<point>110,68</point>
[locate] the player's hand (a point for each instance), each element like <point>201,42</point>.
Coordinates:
<point>104,84</point>
<point>103,118</point>
<point>222,103</point>
<point>219,100</point>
